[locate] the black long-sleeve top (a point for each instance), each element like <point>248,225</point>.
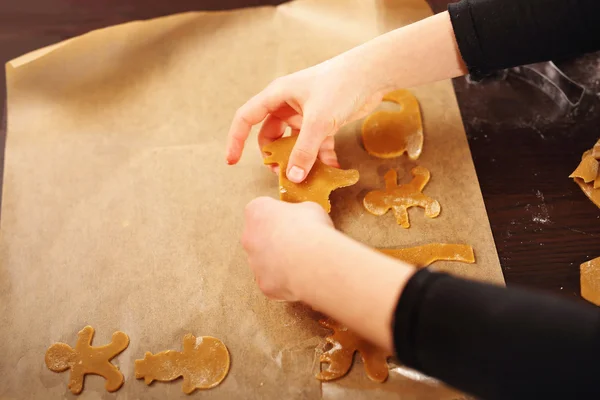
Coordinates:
<point>496,34</point>
<point>498,343</point>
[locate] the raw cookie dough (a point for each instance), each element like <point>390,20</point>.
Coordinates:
<point>401,197</point>
<point>425,255</point>
<point>203,364</point>
<point>587,176</point>
<point>345,343</point>
<point>319,183</point>
<point>85,359</point>
<point>388,134</point>
<point>590,281</point>
<point>596,150</point>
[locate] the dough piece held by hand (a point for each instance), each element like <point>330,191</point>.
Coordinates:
<point>388,134</point>
<point>422,256</point>
<point>344,344</point>
<point>203,364</point>
<point>319,183</point>
<point>399,198</point>
<point>85,359</point>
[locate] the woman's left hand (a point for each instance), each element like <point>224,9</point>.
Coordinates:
<point>277,237</point>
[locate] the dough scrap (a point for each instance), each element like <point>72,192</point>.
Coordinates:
<point>422,256</point>
<point>590,281</point>
<point>85,359</point>
<point>587,169</point>
<point>319,183</point>
<point>587,176</point>
<point>203,364</point>
<point>344,344</point>
<point>388,134</point>
<point>400,198</point>
<point>596,150</point>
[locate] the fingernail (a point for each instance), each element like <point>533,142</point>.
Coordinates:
<point>295,174</point>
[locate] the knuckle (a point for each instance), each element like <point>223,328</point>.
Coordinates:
<point>325,125</point>
<point>277,86</point>
<point>246,240</point>
<point>267,287</point>
<point>240,115</point>
<point>249,210</point>
<point>312,207</point>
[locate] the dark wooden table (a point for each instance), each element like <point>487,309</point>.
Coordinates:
<point>523,144</point>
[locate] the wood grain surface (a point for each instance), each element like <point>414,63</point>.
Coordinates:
<point>524,145</point>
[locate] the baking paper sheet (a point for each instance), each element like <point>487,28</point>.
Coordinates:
<point>120,212</point>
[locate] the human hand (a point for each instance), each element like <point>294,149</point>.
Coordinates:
<point>316,101</point>
<point>276,237</point>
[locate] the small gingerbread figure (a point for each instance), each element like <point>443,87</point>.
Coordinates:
<point>319,183</point>
<point>345,343</point>
<point>400,198</point>
<point>203,364</point>
<point>85,359</point>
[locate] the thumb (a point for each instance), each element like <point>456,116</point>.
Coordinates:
<point>314,130</point>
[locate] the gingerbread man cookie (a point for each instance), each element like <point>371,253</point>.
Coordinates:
<point>344,344</point>
<point>388,134</point>
<point>85,359</point>
<point>319,183</point>
<point>400,198</point>
<point>203,364</point>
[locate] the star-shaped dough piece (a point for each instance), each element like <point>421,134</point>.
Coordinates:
<point>318,185</point>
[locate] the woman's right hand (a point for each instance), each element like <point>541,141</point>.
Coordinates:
<point>317,101</point>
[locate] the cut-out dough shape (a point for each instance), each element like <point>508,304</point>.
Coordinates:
<point>399,198</point>
<point>344,344</point>
<point>422,256</point>
<point>590,281</point>
<point>587,176</point>
<point>85,359</point>
<point>388,134</point>
<point>203,364</point>
<point>319,183</point>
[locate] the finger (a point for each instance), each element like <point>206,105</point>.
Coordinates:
<point>276,123</point>
<point>327,152</point>
<point>250,114</point>
<point>313,132</point>
<point>272,129</point>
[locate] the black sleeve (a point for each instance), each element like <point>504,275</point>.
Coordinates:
<point>496,34</point>
<point>498,343</point>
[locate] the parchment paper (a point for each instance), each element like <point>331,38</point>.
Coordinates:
<point>120,212</point>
